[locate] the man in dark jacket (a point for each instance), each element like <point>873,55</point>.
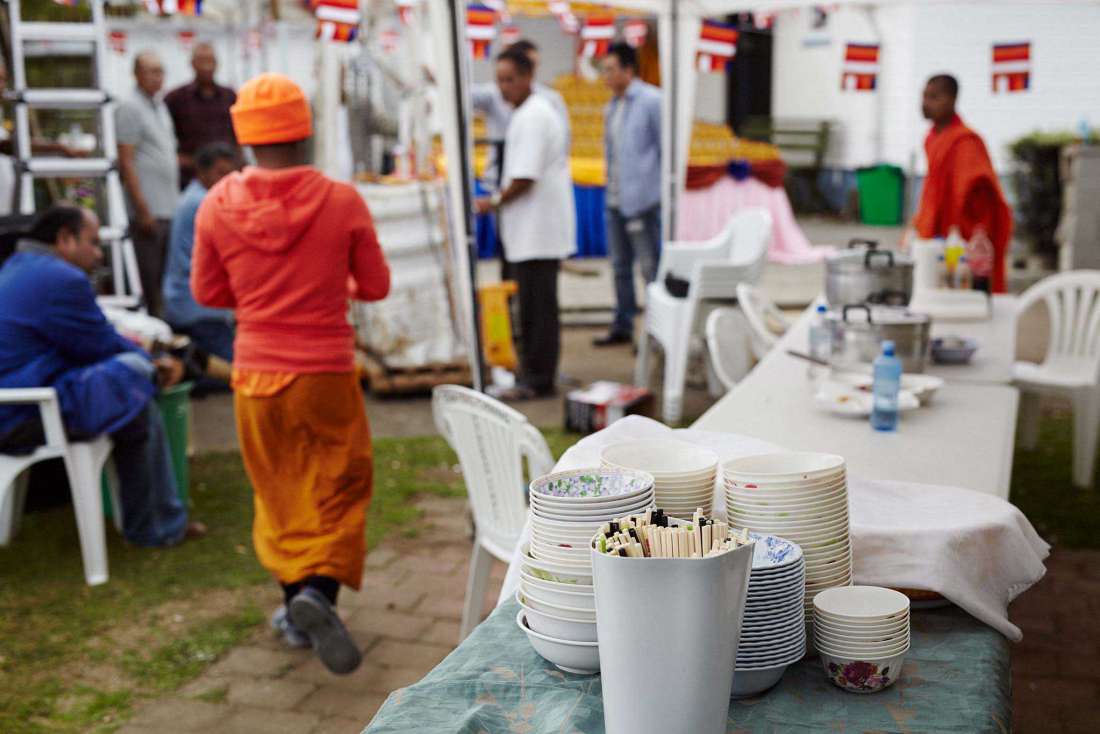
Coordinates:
<point>53,334</point>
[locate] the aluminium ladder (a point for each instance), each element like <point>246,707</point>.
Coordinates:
<point>115,229</point>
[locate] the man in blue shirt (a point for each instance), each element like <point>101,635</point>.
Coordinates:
<point>632,142</point>
<point>52,334</point>
<point>210,328</point>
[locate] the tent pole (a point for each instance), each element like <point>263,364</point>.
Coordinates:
<point>672,90</point>
<point>458,33</point>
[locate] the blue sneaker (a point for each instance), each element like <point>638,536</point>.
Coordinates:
<point>315,615</point>
<point>291,634</point>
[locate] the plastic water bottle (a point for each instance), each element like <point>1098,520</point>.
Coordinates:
<point>821,342</point>
<point>887,382</point>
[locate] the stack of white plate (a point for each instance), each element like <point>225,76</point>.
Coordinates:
<point>773,633</point>
<point>559,604</point>
<point>862,635</point>
<point>683,474</point>
<point>802,497</point>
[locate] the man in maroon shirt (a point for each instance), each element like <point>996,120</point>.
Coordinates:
<point>200,111</point>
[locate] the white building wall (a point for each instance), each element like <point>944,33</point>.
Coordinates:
<point>919,40</point>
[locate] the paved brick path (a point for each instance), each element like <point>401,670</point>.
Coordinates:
<point>406,618</point>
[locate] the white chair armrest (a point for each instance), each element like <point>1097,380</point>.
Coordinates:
<point>48,409</point>
<point>539,459</point>
<point>680,258</point>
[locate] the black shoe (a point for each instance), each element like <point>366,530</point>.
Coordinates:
<point>612,338</point>
<point>312,613</point>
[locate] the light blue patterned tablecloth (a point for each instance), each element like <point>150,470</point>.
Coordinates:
<point>956,678</point>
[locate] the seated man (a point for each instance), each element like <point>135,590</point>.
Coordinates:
<point>210,328</point>
<point>52,334</point>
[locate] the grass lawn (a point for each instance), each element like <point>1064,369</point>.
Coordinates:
<point>75,658</point>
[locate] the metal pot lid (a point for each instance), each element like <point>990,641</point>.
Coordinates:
<point>862,313</point>
<point>866,255</point>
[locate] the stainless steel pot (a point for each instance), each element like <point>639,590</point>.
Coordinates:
<point>864,273</point>
<point>859,330</point>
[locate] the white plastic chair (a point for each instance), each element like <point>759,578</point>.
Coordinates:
<point>491,441</point>
<point>727,346</point>
<point>1071,367</point>
<point>713,269</point>
<point>766,321</point>
<point>84,462</point>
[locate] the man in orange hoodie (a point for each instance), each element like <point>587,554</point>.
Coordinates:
<point>962,190</point>
<point>285,247</point>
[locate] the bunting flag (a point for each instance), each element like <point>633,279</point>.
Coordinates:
<point>480,29</point>
<point>187,40</point>
<point>190,7</point>
<point>509,34</point>
<point>568,22</point>
<point>763,21</point>
<point>634,32</point>
<point>67,3</point>
<point>1011,67</point>
<point>596,35</point>
<point>860,70</point>
<point>717,46</point>
<point>337,20</point>
<point>117,41</point>
<point>405,10</point>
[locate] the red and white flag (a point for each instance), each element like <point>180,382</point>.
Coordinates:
<point>596,35</point>
<point>406,9</point>
<point>717,46</point>
<point>187,40</point>
<point>1011,67</point>
<point>860,72</point>
<point>389,39</point>
<point>337,20</point>
<point>509,34</point>
<point>117,40</point>
<point>634,32</point>
<point>481,29</point>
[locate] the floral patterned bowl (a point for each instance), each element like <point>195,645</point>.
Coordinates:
<point>773,552</point>
<point>863,675</point>
<point>591,485</point>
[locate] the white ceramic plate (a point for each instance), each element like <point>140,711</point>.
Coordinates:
<point>601,516</point>
<point>783,489</point>
<point>537,581</point>
<point>922,386</point>
<point>854,403</point>
<point>764,500</point>
<point>591,484</point>
<point>541,605</point>
<point>565,599</point>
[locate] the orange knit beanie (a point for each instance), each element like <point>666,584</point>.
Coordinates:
<point>271,109</point>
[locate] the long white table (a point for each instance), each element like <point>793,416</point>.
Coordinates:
<point>964,438</point>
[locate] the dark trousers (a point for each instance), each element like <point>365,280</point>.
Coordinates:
<point>152,253</point>
<point>539,323</point>
<point>629,239</point>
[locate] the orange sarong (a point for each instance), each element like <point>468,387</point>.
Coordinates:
<point>962,190</point>
<point>307,450</point>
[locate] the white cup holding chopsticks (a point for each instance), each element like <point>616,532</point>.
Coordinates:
<point>668,632</point>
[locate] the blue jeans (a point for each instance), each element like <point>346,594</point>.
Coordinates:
<point>213,336</point>
<point>629,238</point>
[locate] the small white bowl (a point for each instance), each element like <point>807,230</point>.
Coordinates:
<point>582,658</point>
<point>849,648</point>
<point>869,628</point>
<point>548,623</point>
<point>862,603</point>
<point>846,643</point>
<point>565,599</point>
<point>555,573</point>
<point>787,467</point>
<point>862,674</point>
<point>663,458</point>
<point>748,683</point>
<point>540,604</point>
<point>766,504</point>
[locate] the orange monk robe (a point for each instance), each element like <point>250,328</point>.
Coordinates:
<point>962,190</point>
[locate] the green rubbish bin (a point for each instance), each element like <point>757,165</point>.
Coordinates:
<point>175,407</point>
<point>881,189</point>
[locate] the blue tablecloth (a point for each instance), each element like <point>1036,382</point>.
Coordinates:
<point>956,678</point>
<point>591,234</point>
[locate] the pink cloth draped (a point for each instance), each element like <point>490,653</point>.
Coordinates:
<point>705,212</point>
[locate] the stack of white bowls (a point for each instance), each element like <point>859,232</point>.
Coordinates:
<point>802,497</point>
<point>773,633</point>
<point>862,635</point>
<point>558,602</point>
<point>683,474</point>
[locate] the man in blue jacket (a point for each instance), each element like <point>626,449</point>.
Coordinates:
<point>53,334</point>
<point>632,142</point>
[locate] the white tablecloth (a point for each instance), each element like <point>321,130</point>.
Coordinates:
<point>978,551</point>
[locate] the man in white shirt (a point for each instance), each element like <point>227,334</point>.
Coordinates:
<point>537,219</point>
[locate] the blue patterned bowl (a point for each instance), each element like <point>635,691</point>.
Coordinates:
<point>771,551</point>
<point>591,485</point>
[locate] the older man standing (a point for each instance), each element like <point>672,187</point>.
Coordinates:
<point>632,139</point>
<point>200,111</point>
<point>150,173</point>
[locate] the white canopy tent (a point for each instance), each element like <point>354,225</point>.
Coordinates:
<point>678,26</point>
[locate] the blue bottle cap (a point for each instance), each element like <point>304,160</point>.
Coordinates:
<point>888,348</point>
<point>821,308</point>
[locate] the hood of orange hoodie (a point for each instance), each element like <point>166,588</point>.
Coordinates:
<point>270,209</point>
